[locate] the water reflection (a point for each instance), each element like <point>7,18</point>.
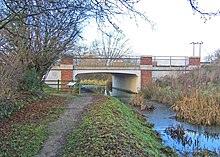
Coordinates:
<point>193,137</point>
<point>96,89</point>
<point>104,90</point>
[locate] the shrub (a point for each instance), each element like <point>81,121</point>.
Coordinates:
<point>30,82</point>
<point>7,107</point>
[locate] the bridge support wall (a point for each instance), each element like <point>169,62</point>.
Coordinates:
<point>146,70</point>
<point>193,60</point>
<point>125,84</point>
<point>66,70</point>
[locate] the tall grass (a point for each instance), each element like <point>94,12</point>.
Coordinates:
<point>198,108</point>
<point>166,94</point>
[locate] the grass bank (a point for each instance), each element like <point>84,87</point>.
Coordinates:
<point>110,128</point>
<point>23,132</point>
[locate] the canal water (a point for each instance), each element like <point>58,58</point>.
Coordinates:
<point>103,90</point>
<point>196,137</point>
<point>96,89</point>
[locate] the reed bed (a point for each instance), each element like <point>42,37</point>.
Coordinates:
<point>198,108</point>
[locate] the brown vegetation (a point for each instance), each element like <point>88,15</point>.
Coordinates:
<point>198,108</point>
<point>139,101</point>
<point>22,133</point>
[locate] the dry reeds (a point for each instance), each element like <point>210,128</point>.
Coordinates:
<point>139,101</point>
<point>198,109</point>
<point>94,82</point>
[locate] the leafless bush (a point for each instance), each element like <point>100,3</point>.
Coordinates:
<point>10,71</point>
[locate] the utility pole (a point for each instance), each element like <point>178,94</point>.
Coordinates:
<point>200,47</point>
<point>193,47</point>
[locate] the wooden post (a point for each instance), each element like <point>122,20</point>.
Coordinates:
<point>79,89</point>
<point>58,84</point>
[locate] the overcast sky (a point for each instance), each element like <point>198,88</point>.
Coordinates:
<point>176,27</point>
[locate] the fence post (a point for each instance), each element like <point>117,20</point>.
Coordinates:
<point>79,88</point>
<point>78,84</point>
<point>58,84</point>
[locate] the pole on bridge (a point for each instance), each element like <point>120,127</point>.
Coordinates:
<point>200,45</point>
<point>193,47</point>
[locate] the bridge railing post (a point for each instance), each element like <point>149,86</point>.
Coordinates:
<point>194,61</point>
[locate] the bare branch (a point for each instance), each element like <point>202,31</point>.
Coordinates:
<point>204,14</point>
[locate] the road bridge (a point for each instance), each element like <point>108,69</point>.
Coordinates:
<point>129,74</point>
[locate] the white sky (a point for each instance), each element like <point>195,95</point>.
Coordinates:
<point>176,27</point>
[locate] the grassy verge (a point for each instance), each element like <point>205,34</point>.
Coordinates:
<point>49,90</point>
<point>110,128</point>
<point>24,131</point>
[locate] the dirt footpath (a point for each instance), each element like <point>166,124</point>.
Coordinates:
<point>52,146</point>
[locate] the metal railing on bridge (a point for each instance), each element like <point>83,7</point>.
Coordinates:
<point>100,61</point>
<point>170,61</point>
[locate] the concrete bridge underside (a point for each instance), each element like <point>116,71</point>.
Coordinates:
<point>123,82</point>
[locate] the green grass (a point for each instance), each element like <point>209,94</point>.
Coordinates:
<point>23,140</point>
<point>49,90</point>
<point>110,128</point>
<point>23,133</point>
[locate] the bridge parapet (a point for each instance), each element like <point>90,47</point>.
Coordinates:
<point>100,61</point>
<point>135,61</point>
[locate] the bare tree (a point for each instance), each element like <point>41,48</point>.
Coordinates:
<point>38,31</point>
<point>102,11</point>
<point>214,58</point>
<point>111,45</point>
<point>51,27</point>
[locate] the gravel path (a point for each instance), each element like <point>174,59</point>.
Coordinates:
<point>52,146</point>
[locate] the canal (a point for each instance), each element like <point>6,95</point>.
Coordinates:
<point>194,137</point>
